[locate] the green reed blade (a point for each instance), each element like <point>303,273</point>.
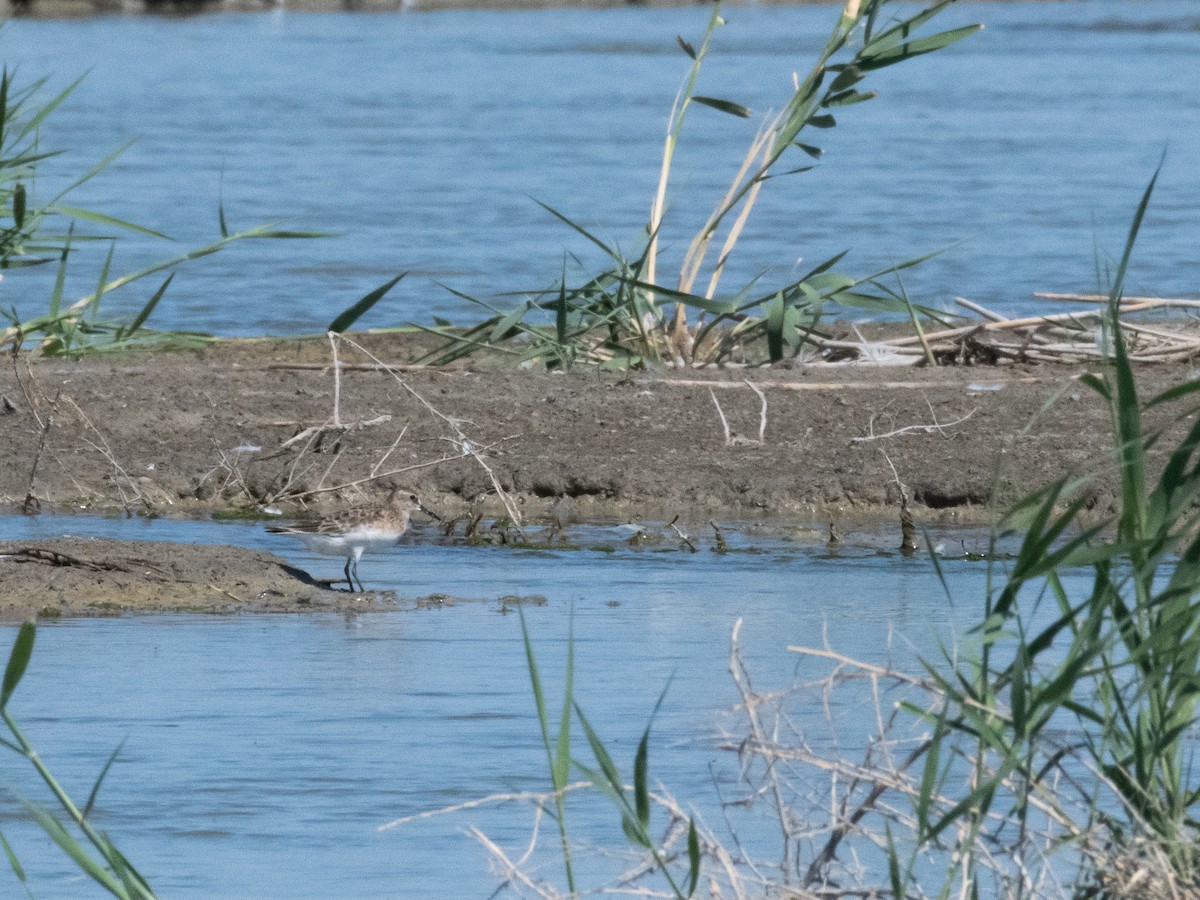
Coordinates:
<point>15,864</point>
<point>351,314</point>
<point>34,121</point>
<point>95,792</point>
<point>103,219</point>
<point>18,659</point>
<point>59,834</point>
<point>144,314</point>
<point>693,847</point>
<point>725,106</point>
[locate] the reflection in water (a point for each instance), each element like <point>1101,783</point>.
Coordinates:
<point>263,752</point>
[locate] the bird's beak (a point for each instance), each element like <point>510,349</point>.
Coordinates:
<point>431,513</point>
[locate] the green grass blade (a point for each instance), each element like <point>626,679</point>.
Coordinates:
<point>18,659</point>
<point>693,846</point>
<point>352,314</point>
<point>103,279</point>
<point>37,118</point>
<point>535,680</point>
<point>56,293</point>
<point>98,218</point>
<point>91,173</point>
<point>725,106</point>
<point>868,61</point>
<point>95,792</point>
<point>607,767</point>
<point>18,205</point>
<point>13,862</point>
<point>579,228</point>
<point>75,851</point>
<point>641,787</point>
<point>561,767</point>
<point>140,319</point>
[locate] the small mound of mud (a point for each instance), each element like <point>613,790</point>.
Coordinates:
<point>100,577</point>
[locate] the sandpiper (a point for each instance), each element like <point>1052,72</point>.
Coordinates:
<point>351,531</point>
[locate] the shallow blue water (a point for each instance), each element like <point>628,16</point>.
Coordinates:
<point>422,137</point>
<point>263,752</point>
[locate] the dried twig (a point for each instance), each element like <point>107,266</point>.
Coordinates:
<point>939,427</point>
<point>683,537</point>
<point>466,446</point>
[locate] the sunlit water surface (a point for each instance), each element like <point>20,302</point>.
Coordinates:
<point>421,139</point>
<point>263,752</point>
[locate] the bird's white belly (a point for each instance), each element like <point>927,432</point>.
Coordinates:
<point>370,540</point>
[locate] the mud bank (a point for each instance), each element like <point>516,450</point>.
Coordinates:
<point>265,427</point>
<point>97,577</point>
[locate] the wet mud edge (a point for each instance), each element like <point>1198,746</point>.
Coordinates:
<point>243,426</point>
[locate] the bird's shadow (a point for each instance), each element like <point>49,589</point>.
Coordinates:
<point>306,579</point>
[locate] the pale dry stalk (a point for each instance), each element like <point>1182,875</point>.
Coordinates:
<point>467,446</point>
<point>741,680</point>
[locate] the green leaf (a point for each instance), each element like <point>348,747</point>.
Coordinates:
<point>561,767</point>
<point>19,204</point>
<point>893,860</point>
<point>830,282</point>
<point>36,120</point>
<point>607,767</point>
<point>641,787</point>
<point>868,61</point>
<point>56,293</point>
<point>18,659</point>
<point>142,316</point>
<point>579,228</point>
<point>693,858</point>
<point>776,311</point>
<point>91,800</point>
<point>814,152</point>
<point>901,30</point>
<point>12,860</point>
<point>825,121</point>
<point>102,219</point>
<point>507,322</point>
<point>72,848</point>
<point>846,78</point>
<point>725,106</point>
<point>351,315</point>
<point>848,98</point>
<point>685,46</point>
<point>560,308</point>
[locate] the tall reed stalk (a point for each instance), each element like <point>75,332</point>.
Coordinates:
<point>619,316</point>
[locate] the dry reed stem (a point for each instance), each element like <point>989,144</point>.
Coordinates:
<point>381,367</point>
<point>538,797</point>
<point>839,385</point>
<point>464,443</point>
<point>1144,302</point>
<point>741,680</point>
<point>939,427</point>
<point>511,871</point>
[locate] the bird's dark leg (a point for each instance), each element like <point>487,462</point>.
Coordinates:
<point>349,576</point>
